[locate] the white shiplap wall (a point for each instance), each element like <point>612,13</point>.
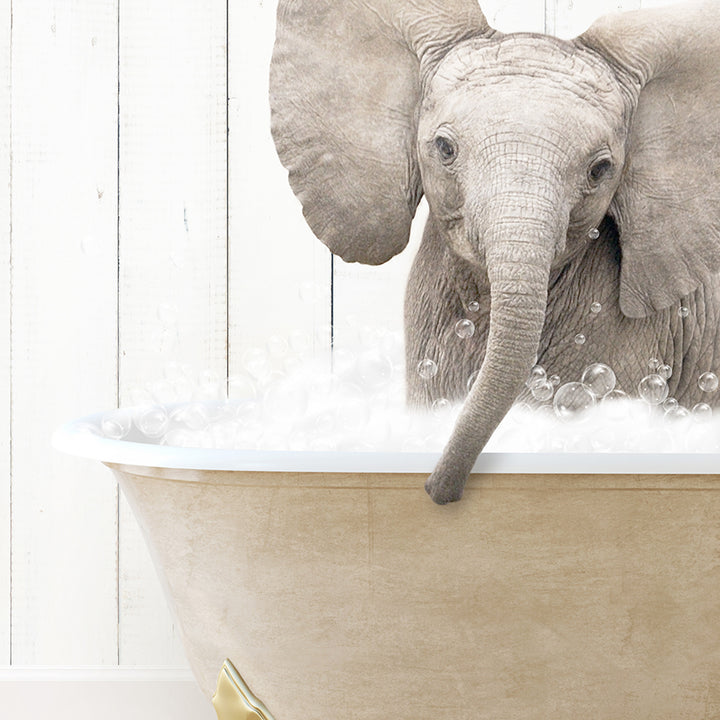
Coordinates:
<point>118,262</point>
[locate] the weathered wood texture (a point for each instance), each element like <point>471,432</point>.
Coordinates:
<point>64,338</point>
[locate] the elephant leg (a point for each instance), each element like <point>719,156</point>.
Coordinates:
<point>442,291</point>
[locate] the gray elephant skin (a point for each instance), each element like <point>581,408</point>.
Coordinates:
<point>558,174</point>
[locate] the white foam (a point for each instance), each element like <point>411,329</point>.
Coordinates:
<point>356,402</point>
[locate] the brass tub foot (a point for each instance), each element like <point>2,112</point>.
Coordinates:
<point>233,699</point>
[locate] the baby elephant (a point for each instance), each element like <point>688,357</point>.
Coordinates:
<point>573,187</point>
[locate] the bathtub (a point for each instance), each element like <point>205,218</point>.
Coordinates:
<point>321,586</point>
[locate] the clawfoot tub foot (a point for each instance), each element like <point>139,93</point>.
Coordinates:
<point>233,699</point>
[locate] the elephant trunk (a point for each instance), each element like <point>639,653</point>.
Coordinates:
<point>519,249</point>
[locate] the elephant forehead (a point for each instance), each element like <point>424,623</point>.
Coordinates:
<point>534,65</point>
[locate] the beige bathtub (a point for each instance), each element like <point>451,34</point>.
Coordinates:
<point>351,596</point>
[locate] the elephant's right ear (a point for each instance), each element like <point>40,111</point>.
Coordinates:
<point>345,82</point>
<point>667,205</point>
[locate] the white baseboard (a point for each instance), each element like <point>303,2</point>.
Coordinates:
<point>107,693</point>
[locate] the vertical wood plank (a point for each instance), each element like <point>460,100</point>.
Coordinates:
<point>5,490</point>
<point>569,18</point>
<point>173,227</point>
<point>64,294</point>
<point>279,271</point>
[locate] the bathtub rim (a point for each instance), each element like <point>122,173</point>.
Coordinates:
<point>72,438</point>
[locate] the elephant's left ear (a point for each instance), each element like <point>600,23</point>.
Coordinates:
<point>345,82</point>
<point>667,206</point>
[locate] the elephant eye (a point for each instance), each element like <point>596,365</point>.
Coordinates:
<point>446,149</point>
<point>598,170</point>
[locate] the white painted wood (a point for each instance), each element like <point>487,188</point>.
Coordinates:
<point>109,693</point>
<point>515,15</point>
<point>64,262</point>
<point>569,18</point>
<point>5,491</point>
<point>279,271</point>
<point>173,286</point>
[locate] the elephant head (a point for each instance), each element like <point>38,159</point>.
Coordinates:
<point>522,145</point>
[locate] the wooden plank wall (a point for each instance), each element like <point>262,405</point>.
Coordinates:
<point>148,222</point>
<point>64,336</point>
<point>5,490</point>
<point>172,242</point>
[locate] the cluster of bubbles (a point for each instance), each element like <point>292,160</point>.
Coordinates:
<point>592,414</point>
<point>284,398</point>
<point>598,384</point>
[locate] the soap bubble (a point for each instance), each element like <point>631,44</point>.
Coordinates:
<point>653,365</point>
<point>593,233</point>
<point>614,396</point>
<point>704,438</point>
<point>670,404</point>
<point>683,311</point>
<point>140,395</point>
<point>375,369</point>
<point>256,361</point>
<point>615,405</point>
<point>471,380</point>
<point>116,424</point>
<point>665,372</point>
<point>599,378</point>
<point>152,421</point>
<point>441,406</point>
<point>211,387</point>
<point>89,428</point>
<point>677,413</point>
<point>653,389</point>
<point>537,375</point>
<point>543,391</point>
<point>474,306</point>
<point>580,339</point>
<point>285,400</point>
<point>554,380</point>
<point>427,369</point>
<point>248,436</point>
<point>464,328</point>
<point>708,382</point>
<point>194,415</point>
<point>353,413</point>
<point>240,386</point>
<point>702,411</point>
<point>572,399</point>
<point>603,439</point>
<point>179,437</point>
<point>595,308</point>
